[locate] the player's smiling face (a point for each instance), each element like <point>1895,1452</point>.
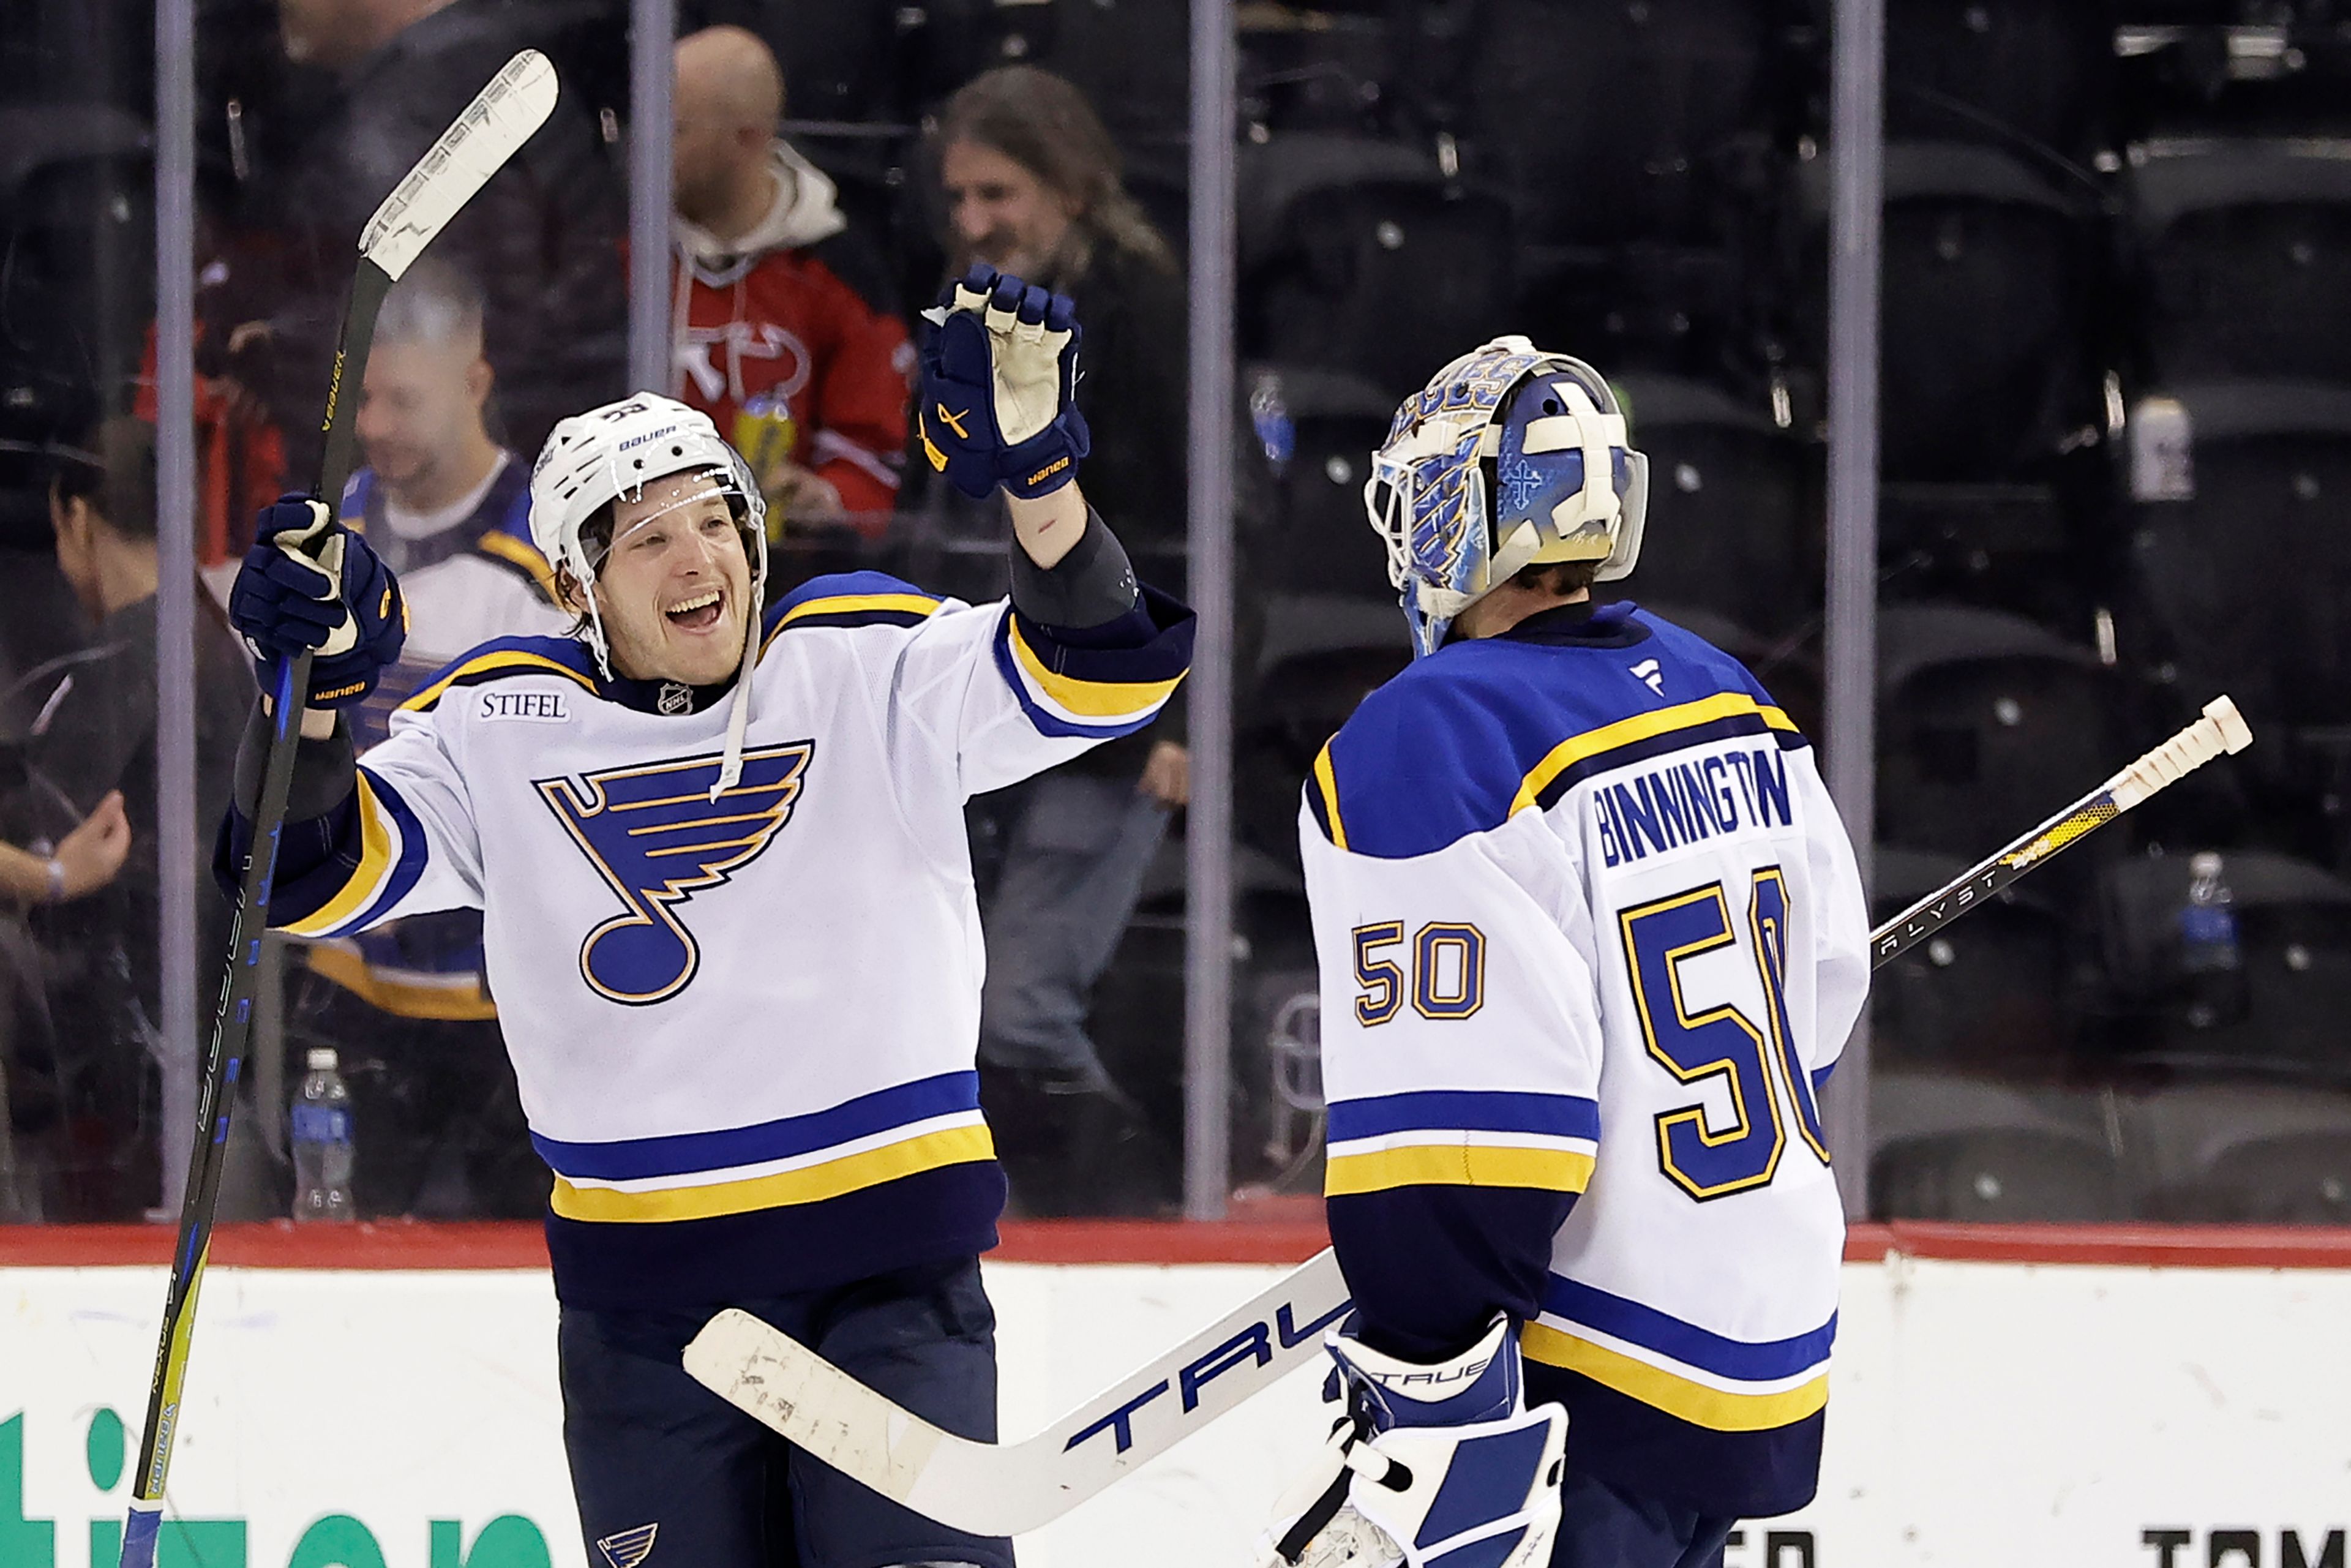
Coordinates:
<point>676,586</point>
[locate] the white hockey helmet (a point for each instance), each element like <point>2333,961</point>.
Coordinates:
<point>609,454</point>
<point>1509,458</point>
<point>606,455</point>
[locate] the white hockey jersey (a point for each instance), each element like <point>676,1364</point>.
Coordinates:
<point>743,1029</point>
<point>1588,924</point>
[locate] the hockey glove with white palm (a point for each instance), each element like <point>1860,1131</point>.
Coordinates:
<point>999,383</point>
<point>1427,1461</point>
<point>309,582</point>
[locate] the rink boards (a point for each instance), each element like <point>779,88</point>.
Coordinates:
<point>2018,1397</point>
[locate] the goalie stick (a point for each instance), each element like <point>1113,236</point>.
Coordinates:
<point>1009,1489</point>
<point>490,130</point>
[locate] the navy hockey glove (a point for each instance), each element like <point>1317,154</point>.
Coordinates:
<point>309,582</point>
<point>1000,382</point>
<point>1430,1463</point>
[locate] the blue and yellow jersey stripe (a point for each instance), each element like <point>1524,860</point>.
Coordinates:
<point>1648,734</point>
<point>503,659</point>
<point>1688,1372</point>
<point>390,857</point>
<point>863,1143</point>
<point>1455,1137</point>
<point>1070,684</point>
<point>847,600</point>
<point>1462,741</point>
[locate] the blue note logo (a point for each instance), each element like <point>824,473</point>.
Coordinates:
<point>630,1547</point>
<point>657,837</point>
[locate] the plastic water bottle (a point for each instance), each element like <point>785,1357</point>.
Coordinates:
<point>322,1144</point>
<point>2209,953</point>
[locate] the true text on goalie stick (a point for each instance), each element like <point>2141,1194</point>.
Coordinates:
<point>489,131</point>
<point>1008,1490</point>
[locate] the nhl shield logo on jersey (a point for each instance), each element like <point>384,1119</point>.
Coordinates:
<point>630,1547</point>
<point>657,837</point>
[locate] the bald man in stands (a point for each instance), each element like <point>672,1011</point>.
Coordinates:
<point>787,333</point>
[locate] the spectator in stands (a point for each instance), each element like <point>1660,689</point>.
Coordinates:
<point>437,1120</point>
<point>1031,182</point>
<point>93,1124</point>
<point>544,235</point>
<point>787,336</point>
<point>80,864</point>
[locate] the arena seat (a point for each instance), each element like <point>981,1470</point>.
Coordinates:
<point>1950,1147</point>
<point>1988,993</point>
<point>1987,360</point>
<point>1362,255</point>
<point>1987,724</point>
<point>2246,245</point>
<point>1730,525</point>
<point>2293,923</point>
<point>1318,429</point>
<point>1607,123</point>
<point>2269,1153</point>
<point>2246,579</point>
<point>2009,73</point>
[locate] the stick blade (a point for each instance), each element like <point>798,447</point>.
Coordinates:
<point>493,128</point>
<point>831,1415</point>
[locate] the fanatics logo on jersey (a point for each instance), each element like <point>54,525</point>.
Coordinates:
<point>657,837</point>
<point>630,1547</point>
<point>1651,675</point>
<point>538,707</point>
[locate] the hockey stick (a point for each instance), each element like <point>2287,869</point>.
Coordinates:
<point>492,129</point>
<point>1008,1490</point>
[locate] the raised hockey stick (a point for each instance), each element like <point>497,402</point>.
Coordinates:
<point>992,1490</point>
<point>492,129</point>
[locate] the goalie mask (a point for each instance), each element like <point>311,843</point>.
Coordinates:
<point>1509,457</point>
<point>594,460</point>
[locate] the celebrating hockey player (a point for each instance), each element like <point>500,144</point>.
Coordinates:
<point>1590,937</point>
<point>728,908</point>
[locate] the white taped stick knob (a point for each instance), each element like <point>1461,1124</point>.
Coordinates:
<point>2221,729</point>
<point>2235,733</point>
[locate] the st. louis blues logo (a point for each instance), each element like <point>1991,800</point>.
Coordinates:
<point>658,837</point>
<point>630,1547</point>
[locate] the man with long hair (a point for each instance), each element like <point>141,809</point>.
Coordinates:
<point>1030,183</point>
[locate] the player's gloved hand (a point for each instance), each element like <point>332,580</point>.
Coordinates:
<point>1461,1429</point>
<point>310,583</point>
<point>999,382</point>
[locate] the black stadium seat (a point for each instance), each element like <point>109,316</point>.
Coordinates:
<point>1987,358</point>
<point>1985,725</point>
<point>2247,250</point>
<point>2293,922</point>
<point>1362,255</point>
<point>1607,123</point>
<point>1318,428</point>
<point>2246,582</point>
<point>1948,1147</point>
<point>2262,1153</point>
<point>1730,528</point>
<point>2010,73</point>
<point>1987,993</point>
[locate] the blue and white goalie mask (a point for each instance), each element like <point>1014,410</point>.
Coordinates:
<point>1509,458</point>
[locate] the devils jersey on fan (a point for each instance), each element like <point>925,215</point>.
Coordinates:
<point>792,325</point>
<point>1591,938</point>
<point>741,1088</point>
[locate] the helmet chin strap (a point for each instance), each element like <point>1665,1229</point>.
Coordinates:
<point>738,710</point>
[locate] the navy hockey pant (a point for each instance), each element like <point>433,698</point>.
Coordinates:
<point>669,1475</point>
<point>1601,1527</point>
